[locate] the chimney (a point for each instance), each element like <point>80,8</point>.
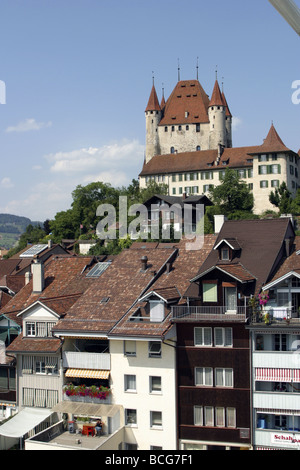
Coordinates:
<point>50,243</point>
<point>219,221</point>
<point>287,247</point>
<point>37,270</point>
<point>144,261</point>
<point>28,276</point>
<point>168,267</point>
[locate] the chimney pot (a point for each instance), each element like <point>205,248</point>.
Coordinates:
<point>144,261</point>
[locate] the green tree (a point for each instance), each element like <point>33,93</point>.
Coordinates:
<point>281,198</point>
<point>232,195</point>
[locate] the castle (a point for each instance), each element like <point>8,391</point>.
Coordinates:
<point>189,146</point>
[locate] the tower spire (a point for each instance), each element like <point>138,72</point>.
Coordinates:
<point>178,71</point>
<point>197,68</point>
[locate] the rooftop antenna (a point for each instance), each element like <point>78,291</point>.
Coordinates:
<point>178,71</point>
<point>197,67</point>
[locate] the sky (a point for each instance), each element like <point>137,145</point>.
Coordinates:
<point>76,76</point>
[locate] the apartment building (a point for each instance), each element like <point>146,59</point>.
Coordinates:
<point>275,338</point>
<point>213,343</point>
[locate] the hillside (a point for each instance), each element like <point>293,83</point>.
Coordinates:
<point>11,227</point>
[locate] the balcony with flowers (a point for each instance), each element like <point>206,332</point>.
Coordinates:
<point>87,394</point>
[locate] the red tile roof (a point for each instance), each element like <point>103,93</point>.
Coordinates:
<point>216,97</point>
<point>122,284</point>
<point>187,97</point>
<point>64,281</point>
<point>236,157</point>
<point>153,104</point>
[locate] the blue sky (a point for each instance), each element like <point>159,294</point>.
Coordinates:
<point>78,74</point>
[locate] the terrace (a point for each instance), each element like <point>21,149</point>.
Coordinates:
<point>217,313</point>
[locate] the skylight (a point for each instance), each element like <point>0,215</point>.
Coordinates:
<point>33,250</point>
<point>98,269</point>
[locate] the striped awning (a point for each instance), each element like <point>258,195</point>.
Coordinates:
<point>87,373</point>
<point>277,375</point>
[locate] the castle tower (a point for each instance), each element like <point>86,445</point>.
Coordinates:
<point>228,122</point>
<point>153,115</point>
<point>217,119</point>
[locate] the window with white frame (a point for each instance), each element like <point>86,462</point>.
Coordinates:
<point>130,417</point>
<point>208,416</point>
<point>154,349</point>
<point>204,376</point>
<point>129,348</point>
<point>39,329</point>
<point>224,377</point>
<point>202,336</point>
<point>130,383</point>
<point>231,417</point>
<point>220,416</point>
<point>156,419</point>
<point>214,417</point>
<point>223,337</point>
<point>198,415</point>
<point>155,384</point>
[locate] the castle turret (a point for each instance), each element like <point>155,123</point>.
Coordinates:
<point>217,119</point>
<point>153,116</point>
<point>228,122</point>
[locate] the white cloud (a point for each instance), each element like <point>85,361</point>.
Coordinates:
<point>124,154</point>
<point>28,125</point>
<point>236,122</point>
<point>6,183</point>
<point>117,164</point>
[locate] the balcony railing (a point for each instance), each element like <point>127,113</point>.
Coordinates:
<point>202,313</point>
<point>84,360</point>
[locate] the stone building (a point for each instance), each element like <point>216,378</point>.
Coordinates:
<point>189,147</point>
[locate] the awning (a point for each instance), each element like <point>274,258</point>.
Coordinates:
<point>277,375</point>
<point>86,409</point>
<point>87,373</point>
<point>24,421</point>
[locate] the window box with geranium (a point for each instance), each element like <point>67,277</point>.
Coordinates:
<point>86,394</point>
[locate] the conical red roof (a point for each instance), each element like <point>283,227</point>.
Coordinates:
<point>273,142</point>
<point>216,98</point>
<point>153,104</point>
<point>228,113</point>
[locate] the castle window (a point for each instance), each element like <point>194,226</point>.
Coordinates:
<point>263,158</point>
<point>187,128</point>
<point>198,148</point>
<point>179,128</point>
<point>166,128</point>
<point>173,128</point>
<point>197,127</point>
<point>172,150</point>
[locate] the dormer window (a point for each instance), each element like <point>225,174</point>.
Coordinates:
<point>225,254</point>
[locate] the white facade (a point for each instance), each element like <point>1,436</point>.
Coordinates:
<point>146,388</point>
